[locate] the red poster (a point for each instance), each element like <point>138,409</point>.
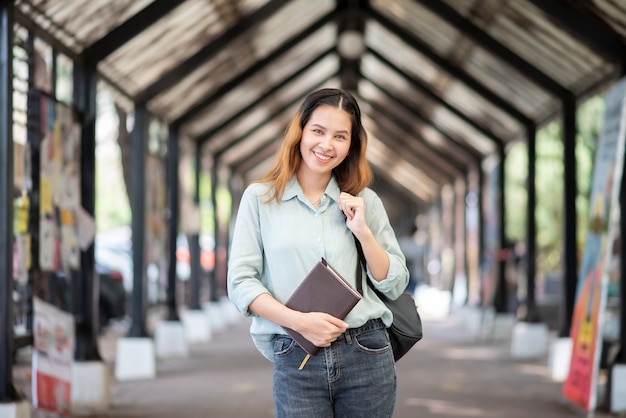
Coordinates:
<point>52,358</point>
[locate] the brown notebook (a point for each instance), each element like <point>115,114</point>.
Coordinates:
<point>323,290</point>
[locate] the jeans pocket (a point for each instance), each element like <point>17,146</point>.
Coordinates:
<point>373,342</point>
<point>283,345</point>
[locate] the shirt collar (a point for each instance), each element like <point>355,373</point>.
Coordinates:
<point>293,189</point>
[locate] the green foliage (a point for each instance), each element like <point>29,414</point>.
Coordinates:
<point>112,205</point>
<point>225,205</point>
<point>589,125</point>
<point>516,191</point>
<point>549,184</point>
<point>206,206</point>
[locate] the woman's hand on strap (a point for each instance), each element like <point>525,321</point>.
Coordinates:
<point>375,256</point>
<point>353,207</point>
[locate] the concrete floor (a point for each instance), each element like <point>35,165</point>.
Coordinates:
<point>449,374</point>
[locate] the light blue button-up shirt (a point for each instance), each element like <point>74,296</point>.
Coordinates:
<point>275,245</point>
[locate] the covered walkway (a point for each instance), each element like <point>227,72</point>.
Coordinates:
<point>446,87</point>
<point>452,373</point>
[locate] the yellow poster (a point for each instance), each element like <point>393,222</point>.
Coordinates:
<point>45,195</point>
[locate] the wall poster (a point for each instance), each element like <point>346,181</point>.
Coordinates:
<point>53,353</point>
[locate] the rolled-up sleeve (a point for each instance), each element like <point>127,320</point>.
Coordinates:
<point>398,275</point>
<point>245,265</point>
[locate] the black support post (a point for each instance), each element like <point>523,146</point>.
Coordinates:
<point>138,206</point>
<point>7,390</point>
<point>532,314</point>
<point>570,277</point>
<point>85,283</point>
<point>481,230</point>
<point>34,138</point>
<point>466,240</point>
<point>172,182</point>
<point>621,357</point>
<point>213,278</point>
<point>458,233</point>
<point>501,296</point>
<point>194,241</point>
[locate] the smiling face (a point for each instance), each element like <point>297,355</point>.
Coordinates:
<point>325,140</point>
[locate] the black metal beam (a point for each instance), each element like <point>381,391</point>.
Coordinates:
<point>352,20</point>
<point>435,173</point>
<point>213,279</point>
<point>532,314</point>
<point>465,256</point>
<point>260,65</point>
<point>598,87</point>
<point>349,73</point>
<point>471,152</point>
<point>596,34</point>
<point>431,161</point>
<point>173,76</point>
<point>570,263</point>
<point>276,113</point>
<point>493,46</point>
<point>241,138</point>
<point>265,145</point>
<point>383,182</point>
<point>138,204</point>
<point>45,36</point>
<point>421,86</point>
<point>216,220</point>
<point>206,137</point>
<point>34,138</point>
<point>85,283</point>
<point>132,27</point>
<point>480,193</point>
<point>194,239</point>
<point>621,356</point>
<point>7,390</point>
<point>172,226</point>
<point>467,151</point>
<point>455,71</point>
<point>251,161</point>
<point>248,162</point>
<point>500,299</point>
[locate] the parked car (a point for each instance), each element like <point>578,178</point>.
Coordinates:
<point>113,250</point>
<point>111,301</point>
<point>112,295</point>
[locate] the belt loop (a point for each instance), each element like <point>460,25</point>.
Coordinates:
<point>348,337</point>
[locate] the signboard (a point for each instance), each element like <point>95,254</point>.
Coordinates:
<point>54,340</point>
<point>580,387</point>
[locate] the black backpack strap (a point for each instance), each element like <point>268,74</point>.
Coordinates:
<point>360,265</point>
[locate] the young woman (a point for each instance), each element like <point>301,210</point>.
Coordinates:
<point>312,204</point>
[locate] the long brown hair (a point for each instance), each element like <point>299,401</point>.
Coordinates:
<point>353,174</point>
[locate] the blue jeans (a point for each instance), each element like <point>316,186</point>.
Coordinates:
<point>354,377</point>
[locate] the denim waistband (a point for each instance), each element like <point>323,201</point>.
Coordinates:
<point>371,325</point>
